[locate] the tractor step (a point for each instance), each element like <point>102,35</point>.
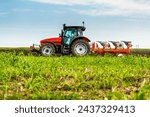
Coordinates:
<point>65,49</point>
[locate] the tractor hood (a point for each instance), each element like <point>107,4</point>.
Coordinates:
<point>51,40</point>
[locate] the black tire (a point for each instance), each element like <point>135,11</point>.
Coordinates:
<point>48,49</point>
<point>80,48</point>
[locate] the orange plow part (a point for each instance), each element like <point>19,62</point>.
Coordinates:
<point>113,47</point>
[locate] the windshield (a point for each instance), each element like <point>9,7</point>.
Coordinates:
<point>71,32</point>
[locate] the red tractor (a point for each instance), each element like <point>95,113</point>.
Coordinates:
<point>70,41</point>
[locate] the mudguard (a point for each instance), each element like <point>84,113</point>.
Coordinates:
<point>80,37</point>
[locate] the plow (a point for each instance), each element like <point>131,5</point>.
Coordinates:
<point>72,41</point>
<point>113,47</point>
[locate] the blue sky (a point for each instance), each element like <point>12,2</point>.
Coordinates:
<point>24,22</point>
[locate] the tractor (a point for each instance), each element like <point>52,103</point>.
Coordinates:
<point>70,41</point>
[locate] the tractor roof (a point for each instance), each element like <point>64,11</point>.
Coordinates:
<point>77,27</point>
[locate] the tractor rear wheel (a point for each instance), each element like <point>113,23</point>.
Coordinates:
<point>48,49</point>
<point>80,48</point>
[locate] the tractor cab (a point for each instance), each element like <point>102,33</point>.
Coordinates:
<point>69,33</point>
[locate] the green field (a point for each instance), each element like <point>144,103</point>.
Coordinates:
<point>67,77</point>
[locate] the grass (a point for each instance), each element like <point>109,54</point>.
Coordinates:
<point>66,77</point>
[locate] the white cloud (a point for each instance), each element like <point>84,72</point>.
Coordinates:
<point>106,7</point>
<point>64,2</point>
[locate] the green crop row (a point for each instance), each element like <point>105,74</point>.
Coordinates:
<point>66,77</point>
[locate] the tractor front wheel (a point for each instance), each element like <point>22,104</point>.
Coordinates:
<point>80,48</point>
<point>48,49</point>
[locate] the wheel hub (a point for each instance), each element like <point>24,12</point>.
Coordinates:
<point>47,51</point>
<point>80,49</point>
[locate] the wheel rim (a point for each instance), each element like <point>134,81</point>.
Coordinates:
<point>47,51</point>
<point>80,49</point>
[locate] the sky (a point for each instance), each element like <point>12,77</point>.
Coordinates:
<point>24,22</point>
